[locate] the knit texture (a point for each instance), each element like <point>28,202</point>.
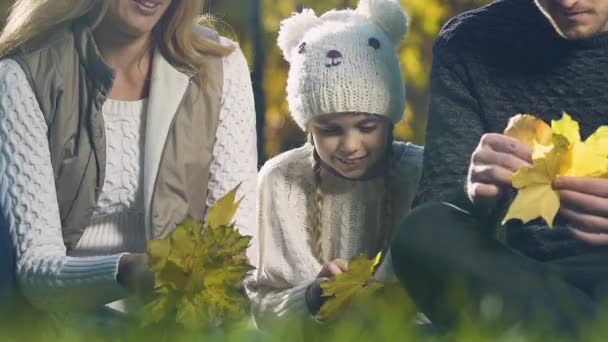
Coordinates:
<point>55,282</point>
<point>351,214</point>
<point>117,223</point>
<point>490,64</point>
<point>235,154</point>
<point>48,278</point>
<point>345,61</point>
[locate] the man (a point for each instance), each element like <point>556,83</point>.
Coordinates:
<point>510,57</point>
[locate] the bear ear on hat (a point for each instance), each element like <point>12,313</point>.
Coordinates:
<point>293,29</point>
<point>388,15</point>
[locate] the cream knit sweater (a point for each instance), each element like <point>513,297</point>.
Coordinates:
<point>352,210</point>
<point>49,278</point>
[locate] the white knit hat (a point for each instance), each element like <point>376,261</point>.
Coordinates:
<point>345,61</point>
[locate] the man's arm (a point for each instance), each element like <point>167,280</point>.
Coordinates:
<point>454,127</point>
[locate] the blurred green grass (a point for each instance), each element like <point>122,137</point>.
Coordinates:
<point>389,317</point>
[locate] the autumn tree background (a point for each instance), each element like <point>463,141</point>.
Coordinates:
<point>255,23</point>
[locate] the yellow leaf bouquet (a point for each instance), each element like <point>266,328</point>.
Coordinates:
<point>198,270</point>
<point>557,151</point>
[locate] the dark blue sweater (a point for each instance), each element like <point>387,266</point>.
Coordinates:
<point>492,63</point>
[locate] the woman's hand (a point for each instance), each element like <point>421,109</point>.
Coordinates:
<point>314,292</point>
<point>584,203</point>
<point>493,163</point>
<point>135,275</point>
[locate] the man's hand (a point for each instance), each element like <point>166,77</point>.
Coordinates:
<point>584,203</point>
<point>493,163</point>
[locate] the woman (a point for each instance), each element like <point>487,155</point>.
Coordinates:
<point>118,119</point>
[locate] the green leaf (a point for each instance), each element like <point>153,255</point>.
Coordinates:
<point>189,314</point>
<point>231,241</point>
<point>355,284</point>
<point>182,246</point>
<point>158,252</point>
<point>158,309</point>
<point>172,276</point>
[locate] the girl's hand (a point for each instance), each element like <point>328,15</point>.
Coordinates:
<point>314,292</point>
<point>333,268</point>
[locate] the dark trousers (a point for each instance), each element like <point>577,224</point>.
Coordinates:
<point>452,267</point>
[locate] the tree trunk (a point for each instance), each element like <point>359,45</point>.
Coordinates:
<point>257,77</point>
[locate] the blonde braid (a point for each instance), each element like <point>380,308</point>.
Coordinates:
<point>316,208</point>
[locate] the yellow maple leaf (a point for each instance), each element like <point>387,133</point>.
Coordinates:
<point>540,151</point>
<point>587,162</point>
<point>536,196</point>
<point>534,201</point>
<point>598,141</point>
<point>355,284</point>
<point>590,159</point>
<point>529,129</point>
<point>565,155</point>
<point>566,127</point>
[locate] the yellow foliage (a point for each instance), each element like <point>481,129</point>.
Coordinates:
<point>197,271</point>
<point>355,284</point>
<point>562,155</point>
<point>529,129</point>
<point>567,128</point>
<point>536,197</point>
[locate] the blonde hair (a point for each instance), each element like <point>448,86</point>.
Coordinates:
<point>180,44</point>
<point>318,233</point>
<point>317,207</point>
<point>175,36</point>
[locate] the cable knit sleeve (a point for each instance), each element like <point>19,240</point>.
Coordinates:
<point>49,279</point>
<point>235,150</point>
<point>273,297</point>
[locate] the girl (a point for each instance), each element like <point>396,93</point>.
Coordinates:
<point>341,194</point>
<point>118,120</point>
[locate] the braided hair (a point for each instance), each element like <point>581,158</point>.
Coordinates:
<point>316,207</point>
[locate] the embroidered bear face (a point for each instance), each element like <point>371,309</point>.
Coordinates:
<point>334,46</point>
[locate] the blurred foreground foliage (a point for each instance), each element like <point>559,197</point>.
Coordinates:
<point>389,316</point>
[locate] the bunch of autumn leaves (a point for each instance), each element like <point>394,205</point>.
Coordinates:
<point>199,270</point>
<point>557,151</point>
